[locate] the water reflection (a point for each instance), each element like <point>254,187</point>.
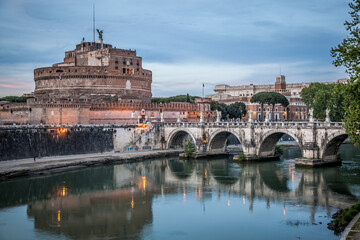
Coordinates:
<point>118,201</point>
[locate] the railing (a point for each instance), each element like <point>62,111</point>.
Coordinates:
<point>258,124</point>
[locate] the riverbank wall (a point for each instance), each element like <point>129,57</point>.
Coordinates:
<point>35,141</point>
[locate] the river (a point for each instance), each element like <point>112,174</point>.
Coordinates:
<point>179,199</point>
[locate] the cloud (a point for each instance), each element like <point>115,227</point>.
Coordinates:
<point>172,79</point>
<point>184,42</point>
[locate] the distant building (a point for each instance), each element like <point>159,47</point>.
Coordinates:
<point>296,110</point>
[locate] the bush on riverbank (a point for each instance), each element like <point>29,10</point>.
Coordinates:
<point>343,217</point>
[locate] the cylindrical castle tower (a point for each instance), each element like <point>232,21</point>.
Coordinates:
<point>94,73</point>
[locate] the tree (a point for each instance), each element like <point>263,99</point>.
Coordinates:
<point>236,110</point>
<point>216,106</point>
<point>347,54</point>
<point>320,96</point>
<point>187,98</point>
<point>189,149</point>
<point>178,98</point>
<point>270,98</point>
<point>277,98</point>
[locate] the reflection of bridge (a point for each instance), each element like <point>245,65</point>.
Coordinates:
<point>319,142</point>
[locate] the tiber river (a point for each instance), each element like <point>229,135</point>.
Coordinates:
<point>176,199</point>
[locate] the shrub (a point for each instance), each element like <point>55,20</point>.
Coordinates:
<point>242,156</point>
<point>189,149</point>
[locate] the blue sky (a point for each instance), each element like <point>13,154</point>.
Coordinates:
<point>185,43</point>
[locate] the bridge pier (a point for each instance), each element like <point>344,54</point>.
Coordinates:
<point>311,157</point>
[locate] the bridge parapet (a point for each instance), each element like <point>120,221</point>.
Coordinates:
<point>258,124</point>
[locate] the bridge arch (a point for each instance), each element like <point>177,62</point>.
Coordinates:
<point>331,149</point>
<point>217,141</point>
<point>270,139</point>
<point>178,138</point>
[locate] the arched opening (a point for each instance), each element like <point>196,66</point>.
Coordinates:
<point>278,143</point>
<point>225,141</point>
<point>332,148</point>
<point>178,140</point>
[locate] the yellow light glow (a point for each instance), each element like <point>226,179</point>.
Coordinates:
<point>284,212</point>
<point>141,125</point>
<point>184,193</point>
<point>228,202</point>
<point>63,191</point>
<point>132,201</point>
<point>144,182</point>
<point>59,215</point>
<point>61,131</point>
<point>244,199</point>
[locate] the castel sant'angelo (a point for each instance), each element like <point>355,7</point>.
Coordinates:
<point>98,84</point>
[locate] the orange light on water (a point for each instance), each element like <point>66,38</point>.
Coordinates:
<point>59,215</point>
<point>144,182</point>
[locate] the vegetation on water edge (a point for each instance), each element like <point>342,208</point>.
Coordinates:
<point>189,149</point>
<point>343,217</point>
<point>242,157</point>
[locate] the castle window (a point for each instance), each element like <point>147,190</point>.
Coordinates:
<point>116,60</point>
<point>124,70</point>
<point>124,61</point>
<point>137,62</point>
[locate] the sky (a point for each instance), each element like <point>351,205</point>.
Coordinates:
<point>184,43</point>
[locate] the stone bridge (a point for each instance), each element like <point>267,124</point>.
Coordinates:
<point>319,141</point>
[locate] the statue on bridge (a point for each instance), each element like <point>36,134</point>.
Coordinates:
<point>218,116</point>
<point>162,117</point>
<point>201,117</point>
<point>311,113</point>
<point>250,116</point>
<point>327,115</point>
<point>179,119</point>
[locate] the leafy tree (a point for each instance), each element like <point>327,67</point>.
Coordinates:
<point>189,149</point>
<point>347,54</point>
<point>320,97</point>
<point>236,110</point>
<point>219,107</point>
<point>270,98</point>
<point>277,98</point>
<point>178,98</point>
<point>14,99</point>
<point>187,97</point>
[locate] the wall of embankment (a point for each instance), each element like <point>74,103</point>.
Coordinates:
<point>29,141</point>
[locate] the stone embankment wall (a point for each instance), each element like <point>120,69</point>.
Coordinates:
<point>19,142</point>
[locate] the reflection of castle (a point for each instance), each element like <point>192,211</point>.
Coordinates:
<point>295,111</point>
<point>97,84</point>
